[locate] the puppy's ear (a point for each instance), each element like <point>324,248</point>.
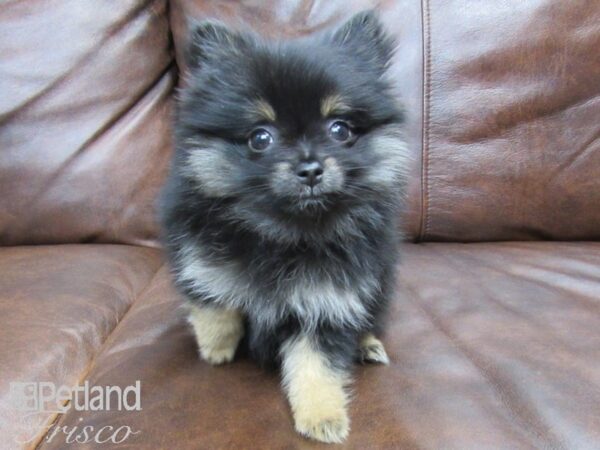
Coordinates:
<point>365,36</point>
<point>211,39</point>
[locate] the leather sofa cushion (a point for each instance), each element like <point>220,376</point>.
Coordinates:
<point>492,346</point>
<point>84,120</point>
<point>501,108</point>
<point>58,305</point>
<point>511,148</point>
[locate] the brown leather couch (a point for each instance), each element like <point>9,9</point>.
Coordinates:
<point>495,333</point>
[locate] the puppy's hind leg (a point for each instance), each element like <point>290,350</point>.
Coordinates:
<point>316,391</point>
<point>372,350</point>
<point>218,332</point>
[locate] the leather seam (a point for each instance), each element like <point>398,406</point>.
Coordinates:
<point>426,36</point>
<point>58,417</point>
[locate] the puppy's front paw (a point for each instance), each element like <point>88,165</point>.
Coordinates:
<point>316,390</point>
<point>218,332</point>
<point>221,347</point>
<point>322,424</point>
<point>372,350</point>
<point>216,356</point>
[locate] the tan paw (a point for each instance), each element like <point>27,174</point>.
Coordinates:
<point>218,332</point>
<point>372,350</point>
<point>316,392</point>
<point>332,428</point>
<point>216,356</point>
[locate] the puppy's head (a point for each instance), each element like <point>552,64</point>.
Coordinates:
<point>294,129</point>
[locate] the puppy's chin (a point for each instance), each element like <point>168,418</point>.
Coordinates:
<point>307,202</point>
<point>310,206</point>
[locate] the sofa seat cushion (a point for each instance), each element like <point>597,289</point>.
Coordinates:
<point>58,305</point>
<point>492,346</point>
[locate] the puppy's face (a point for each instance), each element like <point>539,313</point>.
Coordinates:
<point>296,129</point>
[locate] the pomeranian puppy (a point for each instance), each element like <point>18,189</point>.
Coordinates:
<point>281,211</point>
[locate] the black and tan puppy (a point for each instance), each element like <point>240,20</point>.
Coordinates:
<point>280,213</point>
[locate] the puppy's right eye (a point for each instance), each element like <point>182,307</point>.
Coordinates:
<point>260,140</point>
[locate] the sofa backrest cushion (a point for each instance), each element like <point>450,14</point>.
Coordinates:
<point>501,101</point>
<point>85,91</point>
<point>511,146</point>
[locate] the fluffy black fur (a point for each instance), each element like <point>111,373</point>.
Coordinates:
<point>241,231</point>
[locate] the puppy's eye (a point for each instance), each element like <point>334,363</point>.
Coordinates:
<point>260,139</point>
<point>340,131</point>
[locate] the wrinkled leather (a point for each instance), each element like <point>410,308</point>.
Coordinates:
<point>58,305</point>
<point>511,148</point>
<point>492,346</point>
<point>84,119</point>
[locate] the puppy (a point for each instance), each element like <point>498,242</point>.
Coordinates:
<point>280,213</point>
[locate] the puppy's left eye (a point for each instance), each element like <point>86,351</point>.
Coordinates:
<point>340,131</point>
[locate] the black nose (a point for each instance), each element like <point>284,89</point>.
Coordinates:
<point>310,172</point>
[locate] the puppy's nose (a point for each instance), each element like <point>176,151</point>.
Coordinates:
<point>310,172</point>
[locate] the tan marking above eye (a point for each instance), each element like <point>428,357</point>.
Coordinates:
<point>334,105</point>
<point>264,111</point>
